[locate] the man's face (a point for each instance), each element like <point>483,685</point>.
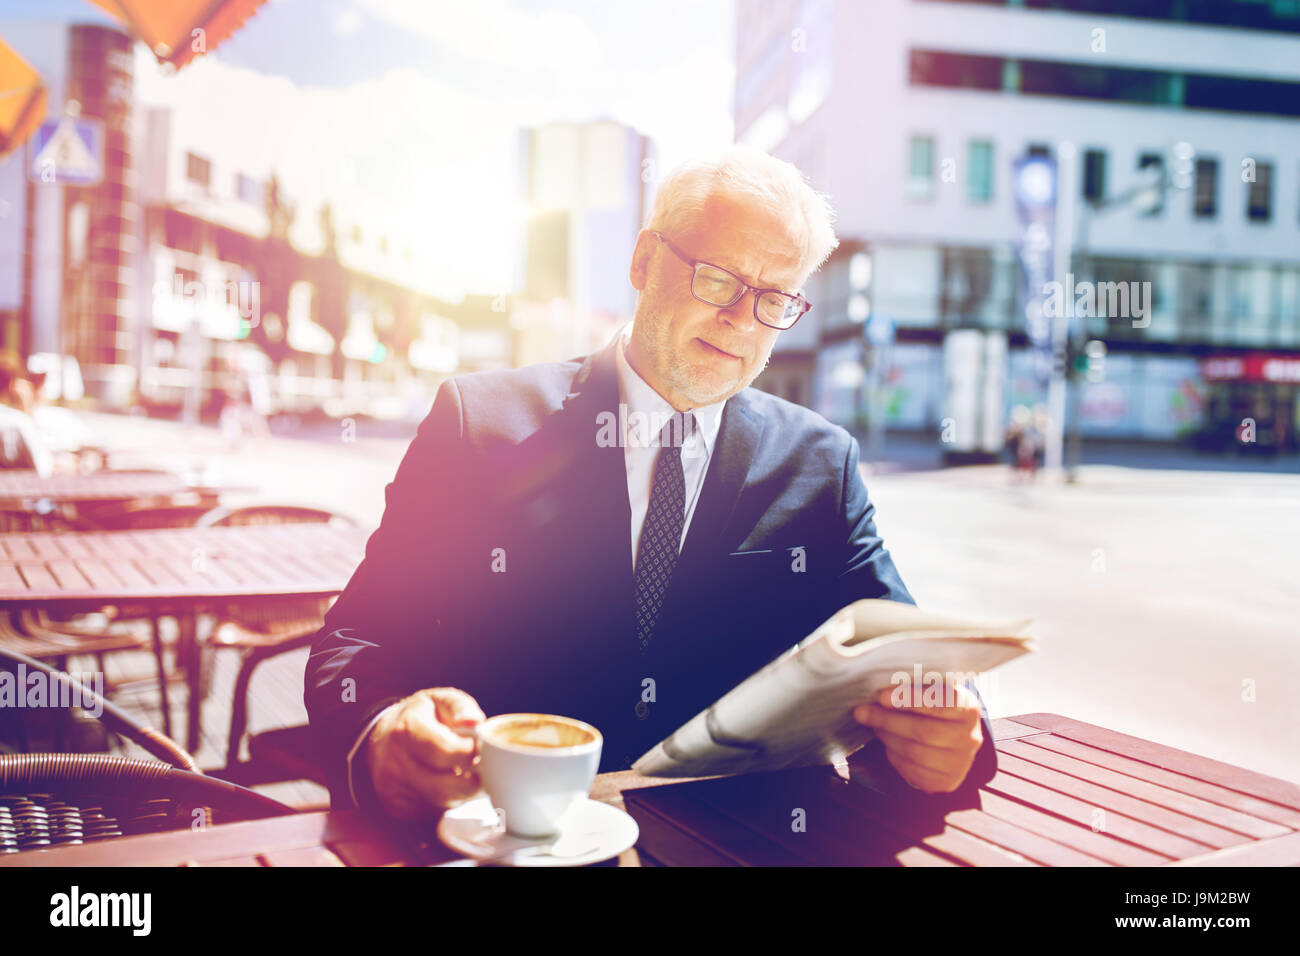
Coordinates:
<point>696,354</point>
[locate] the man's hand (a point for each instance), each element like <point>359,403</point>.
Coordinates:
<point>419,762</point>
<point>932,748</point>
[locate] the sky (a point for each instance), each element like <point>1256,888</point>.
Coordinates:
<point>407,112</point>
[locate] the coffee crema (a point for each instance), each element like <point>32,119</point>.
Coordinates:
<point>540,732</point>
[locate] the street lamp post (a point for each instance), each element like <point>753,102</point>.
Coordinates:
<point>1147,194</point>
<point>1062,253</point>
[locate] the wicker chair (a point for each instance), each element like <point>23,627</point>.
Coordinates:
<point>14,520</point>
<point>259,631</point>
<point>53,799</point>
<point>136,517</point>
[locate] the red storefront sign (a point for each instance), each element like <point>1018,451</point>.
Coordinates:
<point>1256,367</point>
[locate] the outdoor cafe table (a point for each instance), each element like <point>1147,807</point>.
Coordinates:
<point>1066,793</point>
<point>177,571</point>
<point>25,488</point>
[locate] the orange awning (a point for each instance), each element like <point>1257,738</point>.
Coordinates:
<point>169,26</point>
<point>22,100</point>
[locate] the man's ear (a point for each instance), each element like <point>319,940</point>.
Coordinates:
<point>641,256</point>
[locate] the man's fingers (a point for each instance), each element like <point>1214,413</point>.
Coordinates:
<point>439,789</point>
<point>947,734</point>
<point>923,755</point>
<point>431,743</point>
<point>922,777</point>
<point>419,794</point>
<point>455,707</point>
<point>913,703</point>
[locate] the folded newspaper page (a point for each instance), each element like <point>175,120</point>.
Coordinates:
<point>797,711</point>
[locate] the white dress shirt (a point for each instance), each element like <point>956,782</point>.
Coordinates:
<point>643,413</point>
<point>646,407</point>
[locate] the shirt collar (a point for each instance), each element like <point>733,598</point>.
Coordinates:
<point>639,396</point>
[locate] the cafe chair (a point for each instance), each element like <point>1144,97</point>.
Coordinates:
<point>15,520</point>
<point>134,516</point>
<point>260,630</point>
<point>35,633</point>
<point>55,799</point>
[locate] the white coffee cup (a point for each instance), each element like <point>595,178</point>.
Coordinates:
<point>536,768</point>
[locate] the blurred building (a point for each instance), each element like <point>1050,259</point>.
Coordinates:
<point>910,114</point>
<point>195,273</point>
<point>66,286</point>
<point>585,189</point>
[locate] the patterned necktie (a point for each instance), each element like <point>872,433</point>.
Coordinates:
<point>661,534</point>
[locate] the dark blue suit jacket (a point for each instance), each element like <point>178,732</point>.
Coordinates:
<point>503,566</point>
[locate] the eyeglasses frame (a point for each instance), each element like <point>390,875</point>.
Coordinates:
<point>745,287</point>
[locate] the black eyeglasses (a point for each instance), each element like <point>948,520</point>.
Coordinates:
<point>714,285</point>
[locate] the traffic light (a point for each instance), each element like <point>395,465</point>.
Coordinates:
<point>1094,354</point>
<point>1089,362</point>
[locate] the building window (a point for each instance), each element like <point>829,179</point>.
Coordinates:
<point>1259,194</point>
<point>1117,84</point>
<point>248,189</point>
<point>1205,198</point>
<point>920,168</point>
<point>981,170</point>
<point>1153,164</point>
<point>198,170</point>
<point>1094,175</point>
<point>955,70</point>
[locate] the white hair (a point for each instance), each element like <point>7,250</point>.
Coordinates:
<point>750,172</point>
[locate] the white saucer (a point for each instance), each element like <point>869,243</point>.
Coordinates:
<point>590,833</point>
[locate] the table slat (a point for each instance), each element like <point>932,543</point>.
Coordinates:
<point>1226,775</point>
<point>1211,792</point>
<point>1083,813</point>
<point>1098,845</point>
<point>1225,817</point>
<point>1115,801</point>
<point>972,850</point>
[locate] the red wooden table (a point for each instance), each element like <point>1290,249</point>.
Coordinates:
<point>177,565</point>
<point>1067,793</point>
<point>23,487</point>
<point>177,571</point>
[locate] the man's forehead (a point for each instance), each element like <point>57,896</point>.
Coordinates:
<point>747,236</point>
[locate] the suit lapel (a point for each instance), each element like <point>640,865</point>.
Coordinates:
<point>599,475</point>
<point>737,442</point>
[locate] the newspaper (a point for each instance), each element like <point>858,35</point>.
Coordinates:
<point>797,710</point>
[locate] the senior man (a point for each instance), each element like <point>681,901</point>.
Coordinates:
<point>558,538</point>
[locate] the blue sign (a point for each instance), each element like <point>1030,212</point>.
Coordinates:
<point>1035,192</point>
<point>881,329</point>
<point>68,151</point>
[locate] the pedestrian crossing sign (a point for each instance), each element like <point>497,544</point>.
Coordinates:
<point>69,151</point>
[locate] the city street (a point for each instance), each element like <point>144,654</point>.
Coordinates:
<point>1165,601</point>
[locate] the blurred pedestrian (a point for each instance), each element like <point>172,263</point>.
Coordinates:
<point>21,445</point>
<point>244,401</point>
<point>1022,444</point>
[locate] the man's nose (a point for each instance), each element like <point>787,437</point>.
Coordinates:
<point>740,314</point>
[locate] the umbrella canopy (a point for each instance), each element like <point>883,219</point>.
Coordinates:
<point>179,30</point>
<point>22,100</point>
